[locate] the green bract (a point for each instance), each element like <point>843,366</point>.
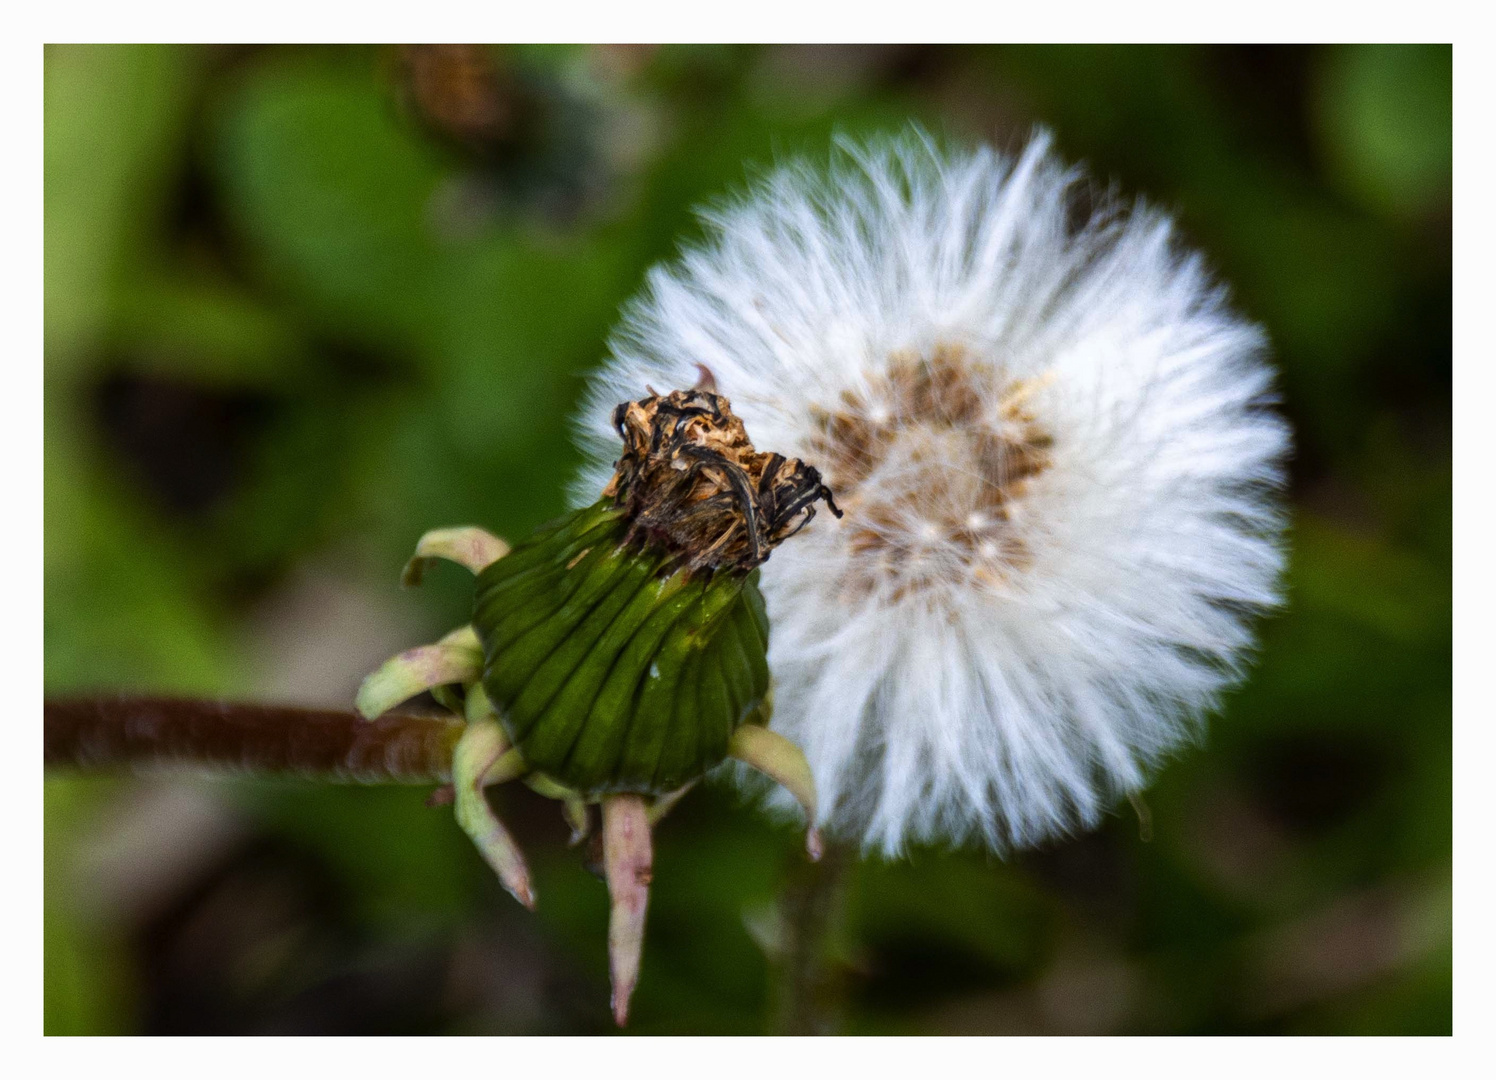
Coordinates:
<point>611,667</point>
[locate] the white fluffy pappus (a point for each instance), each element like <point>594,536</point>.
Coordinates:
<point>1055,449</point>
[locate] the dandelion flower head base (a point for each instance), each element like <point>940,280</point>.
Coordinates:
<point>933,457</point>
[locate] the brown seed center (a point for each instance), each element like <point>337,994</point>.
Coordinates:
<point>931,462</point>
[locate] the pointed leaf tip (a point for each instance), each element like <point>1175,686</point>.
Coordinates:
<point>466,545</point>
<point>628,859</point>
<point>782,761</point>
<point>456,658</point>
<point>575,811</point>
<point>482,756</point>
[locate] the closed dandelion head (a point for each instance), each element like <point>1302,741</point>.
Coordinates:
<point>1053,445</point>
<point>619,653</point>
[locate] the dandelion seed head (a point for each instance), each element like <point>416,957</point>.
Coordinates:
<point>1054,445</point>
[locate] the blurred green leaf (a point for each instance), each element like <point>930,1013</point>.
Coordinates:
<point>331,192</point>
<point>1385,117</point>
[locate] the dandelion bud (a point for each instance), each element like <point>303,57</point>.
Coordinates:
<point>619,653</point>
<point>626,644</point>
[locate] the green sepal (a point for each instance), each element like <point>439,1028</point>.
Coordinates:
<point>610,669</point>
<point>467,546</point>
<point>454,659</point>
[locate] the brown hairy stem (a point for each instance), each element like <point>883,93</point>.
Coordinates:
<point>322,744</point>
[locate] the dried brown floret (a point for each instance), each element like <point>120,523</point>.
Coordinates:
<point>691,480</point>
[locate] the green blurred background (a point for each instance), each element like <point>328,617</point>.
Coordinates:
<point>304,303</point>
